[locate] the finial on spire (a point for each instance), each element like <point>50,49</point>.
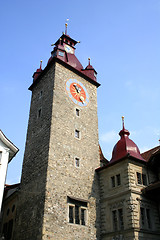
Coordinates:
<point>89,61</point>
<point>123,122</point>
<point>66,25</point>
<point>41,64</point>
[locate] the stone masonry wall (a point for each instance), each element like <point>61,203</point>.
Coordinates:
<point>30,210</point>
<point>127,196</point>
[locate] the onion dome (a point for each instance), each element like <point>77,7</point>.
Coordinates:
<point>125,147</point>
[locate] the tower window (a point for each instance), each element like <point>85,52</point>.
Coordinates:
<point>144,179</point>
<point>13,208</point>
<point>113,181</point>
<point>77,162</point>
<point>39,113</point>
<point>145,217</point>
<point>117,219</point>
<point>118,178</point>
<point>40,95</point>
<point>114,218</point>
<point>77,112</point>
<point>148,218</point>
<point>8,211</point>
<point>77,211</point>
<point>71,214</point>
<point>141,179</point>
<point>120,218</point>
<point>77,133</point>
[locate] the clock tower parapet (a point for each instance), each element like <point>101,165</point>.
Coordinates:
<point>65,50</point>
<point>38,72</point>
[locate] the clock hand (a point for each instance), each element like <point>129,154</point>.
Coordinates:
<point>82,99</point>
<point>78,89</point>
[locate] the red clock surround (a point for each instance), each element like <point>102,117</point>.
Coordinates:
<point>77,92</point>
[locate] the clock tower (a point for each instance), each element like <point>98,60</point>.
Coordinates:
<point>59,189</point>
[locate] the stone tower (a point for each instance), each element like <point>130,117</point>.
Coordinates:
<point>59,190</point>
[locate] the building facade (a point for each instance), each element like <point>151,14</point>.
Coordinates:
<point>68,190</point>
<point>7,151</point>
<point>126,210</point>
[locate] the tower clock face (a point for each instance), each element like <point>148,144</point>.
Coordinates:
<point>77,92</point>
<point>68,49</point>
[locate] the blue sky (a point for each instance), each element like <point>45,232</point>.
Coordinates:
<point>122,38</point>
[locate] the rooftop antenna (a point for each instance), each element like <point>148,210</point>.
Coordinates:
<point>66,25</point>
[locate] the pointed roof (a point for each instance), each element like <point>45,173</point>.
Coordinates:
<point>125,147</point>
<point>103,160</point>
<point>64,53</point>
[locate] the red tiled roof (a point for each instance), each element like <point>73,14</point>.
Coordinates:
<point>146,155</point>
<point>103,160</point>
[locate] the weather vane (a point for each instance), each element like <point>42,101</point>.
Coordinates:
<point>66,25</point>
<point>123,121</point>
